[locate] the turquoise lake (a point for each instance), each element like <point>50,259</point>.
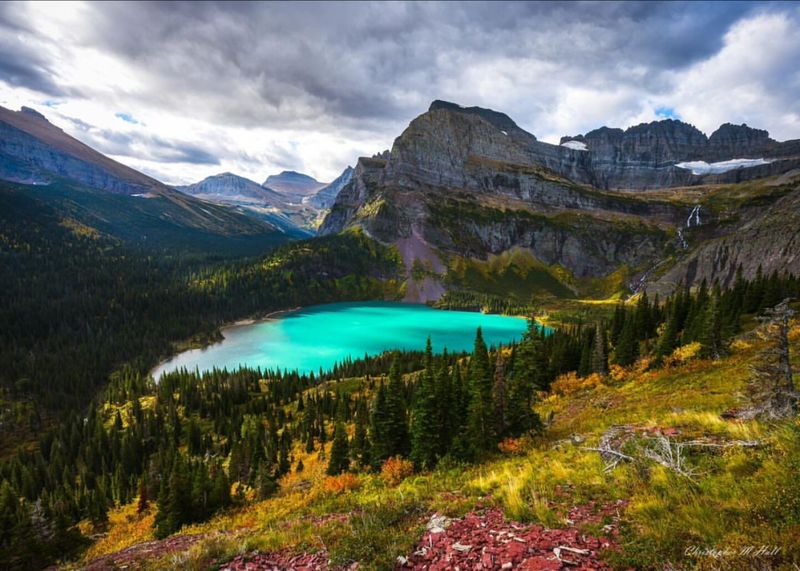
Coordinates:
<point>322,335</point>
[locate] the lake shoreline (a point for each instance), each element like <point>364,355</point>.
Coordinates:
<point>219,335</point>
<point>385,334</point>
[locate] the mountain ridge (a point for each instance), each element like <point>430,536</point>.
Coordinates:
<point>457,185</point>
<point>39,154</point>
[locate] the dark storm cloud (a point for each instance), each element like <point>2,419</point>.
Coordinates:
<point>299,61</point>
<point>313,83</point>
<point>20,65</point>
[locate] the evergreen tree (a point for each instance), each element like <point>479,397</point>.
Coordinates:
<point>340,452</point>
<point>424,413</point>
<point>396,412</point>
<point>360,445</point>
<point>143,502</point>
<point>446,403</point>
<point>710,329</point>
<point>381,442</point>
<point>627,350</point>
<point>480,422</point>
<point>500,397</point>
<point>599,351</point>
<point>525,380</point>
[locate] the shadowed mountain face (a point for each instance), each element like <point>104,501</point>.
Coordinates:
<point>103,192</point>
<point>33,150</point>
<point>326,196</point>
<point>469,183</point>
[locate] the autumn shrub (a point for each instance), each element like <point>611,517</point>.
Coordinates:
<point>511,446</point>
<point>683,354</point>
<point>395,470</point>
<point>342,483</point>
<point>570,383</point>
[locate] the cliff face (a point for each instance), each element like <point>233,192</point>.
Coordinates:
<point>468,182</point>
<point>761,238</point>
<point>437,146</point>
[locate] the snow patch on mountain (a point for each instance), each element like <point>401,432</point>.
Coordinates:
<point>702,167</point>
<point>575,145</point>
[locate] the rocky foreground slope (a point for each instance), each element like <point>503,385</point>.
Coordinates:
<point>468,183</point>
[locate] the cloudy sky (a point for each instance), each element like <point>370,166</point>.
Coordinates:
<point>183,91</point>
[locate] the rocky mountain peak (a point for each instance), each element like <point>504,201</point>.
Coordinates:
<point>739,134</point>
<point>496,118</point>
<point>293,184</point>
<point>33,113</point>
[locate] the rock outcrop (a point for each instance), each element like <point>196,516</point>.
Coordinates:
<point>770,240</point>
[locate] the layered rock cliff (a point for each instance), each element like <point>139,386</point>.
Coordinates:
<point>469,182</point>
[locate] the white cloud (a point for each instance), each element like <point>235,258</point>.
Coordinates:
<point>259,88</point>
<point>755,78</point>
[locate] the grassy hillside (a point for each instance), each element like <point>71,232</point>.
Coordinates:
<point>731,495</point>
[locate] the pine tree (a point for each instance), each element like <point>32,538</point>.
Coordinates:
<point>360,445</point>
<point>480,423</point>
<point>424,426</point>
<point>340,452</point>
<point>500,397</point>
<point>525,380</point>
<point>627,350</point>
<point>599,351</point>
<point>396,412</point>
<point>143,502</point>
<point>221,490</point>
<point>446,404</point>
<point>710,329</point>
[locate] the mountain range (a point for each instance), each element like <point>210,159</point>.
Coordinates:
<point>468,198</point>
<point>83,185</point>
<point>293,201</point>
<point>652,206</point>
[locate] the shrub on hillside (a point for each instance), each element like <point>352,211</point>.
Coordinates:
<point>341,483</point>
<point>395,470</point>
<point>570,383</point>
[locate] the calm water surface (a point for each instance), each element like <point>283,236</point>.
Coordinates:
<point>322,335</point>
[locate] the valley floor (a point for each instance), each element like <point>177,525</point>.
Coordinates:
<point>726,500</point>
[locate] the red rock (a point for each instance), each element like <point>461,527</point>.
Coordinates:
<point>539,563</point>
<point>515,551</point>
